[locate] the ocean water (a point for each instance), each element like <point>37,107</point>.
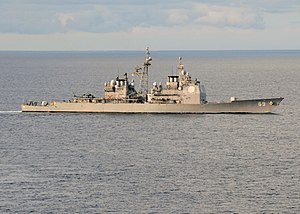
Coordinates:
<point>144,163</point>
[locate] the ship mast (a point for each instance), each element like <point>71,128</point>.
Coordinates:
<point>143,74</point>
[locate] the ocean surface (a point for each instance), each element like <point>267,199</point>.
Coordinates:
<point>145,163</point>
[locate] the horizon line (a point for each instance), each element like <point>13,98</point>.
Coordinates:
<point>161,50</point>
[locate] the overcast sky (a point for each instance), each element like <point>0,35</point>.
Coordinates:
<point>160,24</point>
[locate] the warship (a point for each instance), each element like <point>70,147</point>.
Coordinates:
<point>181,94</point>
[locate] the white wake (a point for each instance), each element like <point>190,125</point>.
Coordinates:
<point>9,112</point>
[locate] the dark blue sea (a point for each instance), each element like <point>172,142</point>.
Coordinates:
<point>145,163</point>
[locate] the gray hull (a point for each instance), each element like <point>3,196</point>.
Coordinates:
<point>238,106</point>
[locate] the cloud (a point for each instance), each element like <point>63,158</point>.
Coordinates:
<point>176,16</point>
<point>105,16</point>
<point>93,19</point>
<point>224,16</point>
<point>64,19</point>
<point>217,16</point>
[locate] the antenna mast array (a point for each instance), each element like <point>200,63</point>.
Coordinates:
<point>143,74</point>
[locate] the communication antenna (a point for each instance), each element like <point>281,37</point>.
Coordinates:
<point>74,95</point>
